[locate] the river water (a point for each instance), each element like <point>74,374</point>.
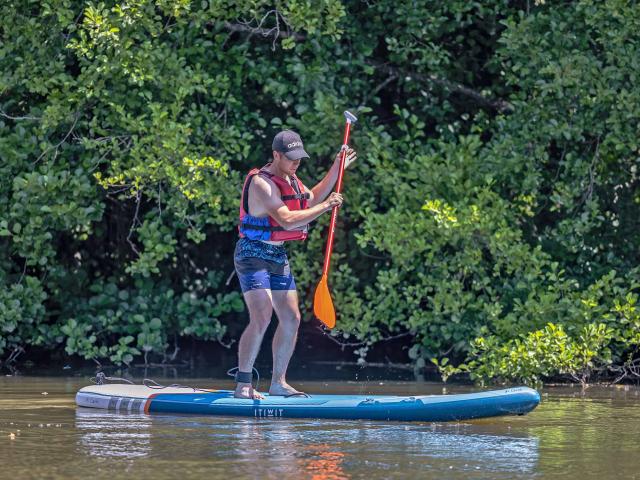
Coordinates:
<point>572,434</point>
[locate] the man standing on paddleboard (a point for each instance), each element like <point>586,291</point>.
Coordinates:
<point>276,207</point>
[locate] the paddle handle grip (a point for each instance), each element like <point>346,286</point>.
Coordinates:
<point>334,212</point>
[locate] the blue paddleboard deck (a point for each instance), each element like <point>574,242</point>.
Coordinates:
<point>426,408</point>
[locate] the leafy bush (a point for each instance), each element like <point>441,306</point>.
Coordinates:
<point>22,317</point>
<point>118,324</point>
<point>496,192</point>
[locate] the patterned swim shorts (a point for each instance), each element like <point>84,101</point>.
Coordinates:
<point>261,265</point>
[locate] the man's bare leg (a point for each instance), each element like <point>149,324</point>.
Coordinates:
<point>260,308</point>
<point>285,303</point>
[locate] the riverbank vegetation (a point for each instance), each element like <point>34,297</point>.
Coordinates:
<point>491,219</point>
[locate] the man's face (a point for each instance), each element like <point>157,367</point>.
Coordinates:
<point>289,166</point>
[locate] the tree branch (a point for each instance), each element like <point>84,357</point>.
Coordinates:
<point>360,343</point>
<point>498,105</point>
<point>75,121</point>
<point>392,73</point>
<point>4,115</point>
<point>265,32</point>
<point>134,222</point>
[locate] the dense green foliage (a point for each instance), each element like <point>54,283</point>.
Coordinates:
<point>491,218</point>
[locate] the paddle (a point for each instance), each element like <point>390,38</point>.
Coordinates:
<point>322,303</point>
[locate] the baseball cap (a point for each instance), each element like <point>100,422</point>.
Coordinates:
<point>289,143</point>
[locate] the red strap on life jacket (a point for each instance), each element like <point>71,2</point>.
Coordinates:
<point>289,193</point>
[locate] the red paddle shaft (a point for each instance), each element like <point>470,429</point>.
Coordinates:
<point>351,118</point>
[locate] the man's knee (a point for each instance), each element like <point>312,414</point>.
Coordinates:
<point>291,319</point>
<point>261,320</point>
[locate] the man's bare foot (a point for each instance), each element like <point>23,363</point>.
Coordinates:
<point>282,389</point>
<point>245,390</point>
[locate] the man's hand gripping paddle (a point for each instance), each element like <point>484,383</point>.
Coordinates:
<point>322,303</point>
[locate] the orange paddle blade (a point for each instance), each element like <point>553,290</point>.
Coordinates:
<point>323,305</point>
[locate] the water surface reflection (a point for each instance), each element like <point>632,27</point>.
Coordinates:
<point>107,434</point>
<point>314,449</point>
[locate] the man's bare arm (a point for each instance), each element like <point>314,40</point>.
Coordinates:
<point>268,195</point>
<point>324,187</point>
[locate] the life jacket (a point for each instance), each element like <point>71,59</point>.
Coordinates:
<point>293,195</point>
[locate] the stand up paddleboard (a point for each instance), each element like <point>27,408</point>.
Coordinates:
<point>427,408</point>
